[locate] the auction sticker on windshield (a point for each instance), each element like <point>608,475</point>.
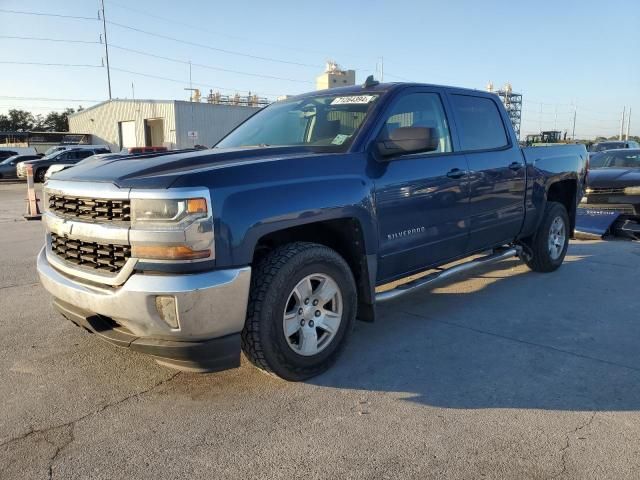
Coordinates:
<point>353,99</point>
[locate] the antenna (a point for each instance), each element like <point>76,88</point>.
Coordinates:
<point>370,82</point>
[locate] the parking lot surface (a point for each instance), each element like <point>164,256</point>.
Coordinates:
<point>503,374</point>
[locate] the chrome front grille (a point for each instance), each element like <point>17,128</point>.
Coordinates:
<point>93,209</point>
<point>606,191</point>
<point>626,209</point>
<point>94,256</point>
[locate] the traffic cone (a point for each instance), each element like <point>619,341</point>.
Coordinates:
<point>33,211</point>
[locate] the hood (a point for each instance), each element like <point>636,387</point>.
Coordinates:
<point>614,177</point>
<point>162,171</point>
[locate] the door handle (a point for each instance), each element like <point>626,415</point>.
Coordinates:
<point>515,165</point>
<point>456,173</point>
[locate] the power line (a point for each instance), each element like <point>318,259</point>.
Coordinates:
<point>48,99</point>
<point>46,14</point>
<point>44,39</point>
<point>51,64</point>
<point>182,82</point>
<point>173,21</point>
<point>210,67</point>
<point>209,47</point>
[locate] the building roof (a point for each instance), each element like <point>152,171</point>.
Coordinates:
<point>136,100</point>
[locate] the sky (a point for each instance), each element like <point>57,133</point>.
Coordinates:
<point>561,55</point>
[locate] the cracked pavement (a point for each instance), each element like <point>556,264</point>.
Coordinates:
<point>504,374</point>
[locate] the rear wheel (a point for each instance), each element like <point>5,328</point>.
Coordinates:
<point>302,307</point>
<point>548,246</point>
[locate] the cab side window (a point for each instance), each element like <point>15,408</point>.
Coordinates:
<point>479,123</point>
<point>420,110</point>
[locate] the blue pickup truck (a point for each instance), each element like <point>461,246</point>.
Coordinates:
<point>276,240</point>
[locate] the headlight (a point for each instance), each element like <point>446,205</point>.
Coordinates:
<point>632,191</point>
<point>166,214</point>
<point>172,229</point>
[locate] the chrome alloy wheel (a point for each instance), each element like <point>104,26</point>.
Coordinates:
<point>312,314</point>
<point>557,237</point>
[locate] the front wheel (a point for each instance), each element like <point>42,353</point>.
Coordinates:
<point>302,307</point>
<point>39,176</point>
<point>548,246</point>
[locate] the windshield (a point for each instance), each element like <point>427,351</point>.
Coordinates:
<point>327,121</point>
<point>9,160</point>
<point>601,147</point>
<point>52,150</point>
<point>622,159</point>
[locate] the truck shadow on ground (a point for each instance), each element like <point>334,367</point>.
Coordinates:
<point>505,337</point>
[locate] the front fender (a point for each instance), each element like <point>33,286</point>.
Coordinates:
<point>245,216</point>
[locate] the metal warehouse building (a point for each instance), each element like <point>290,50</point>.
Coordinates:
<point>155,123</point>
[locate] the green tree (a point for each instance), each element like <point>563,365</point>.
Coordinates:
<point>58,121</point>
<point>17,120</point>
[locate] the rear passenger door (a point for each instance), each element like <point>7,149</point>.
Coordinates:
<point>497,174</point>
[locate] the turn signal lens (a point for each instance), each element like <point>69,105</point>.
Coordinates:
<point>161,252</point>
<point>632,191</point>
<point>196,205</point>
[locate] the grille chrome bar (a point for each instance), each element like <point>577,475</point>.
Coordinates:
<point>108,258</point>
<point>92,209</point>
<point>605,191</point>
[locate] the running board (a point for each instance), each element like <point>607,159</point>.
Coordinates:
<point>435,277</point>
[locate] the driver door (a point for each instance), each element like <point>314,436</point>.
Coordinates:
<point>422,198</point>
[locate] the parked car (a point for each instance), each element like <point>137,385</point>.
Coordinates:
<point>60,148</point>
<point>69,156</point>
<point>275,240</point>
<point>6,152</point>
<point>612,199</point>
<point>8,166</point>
<point>58,167</point>
<point>613,144</point>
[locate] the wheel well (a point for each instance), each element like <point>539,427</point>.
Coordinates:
<point>564,192</point>
<point>342,235</point>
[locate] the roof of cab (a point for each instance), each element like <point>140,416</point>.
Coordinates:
<point>387,87</point>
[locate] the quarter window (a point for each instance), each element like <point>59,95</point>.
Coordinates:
<point>479,123</point>
<point>420,110</point>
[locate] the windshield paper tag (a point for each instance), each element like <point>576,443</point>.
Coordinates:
<point>340,139</point>
<point>352,99</point>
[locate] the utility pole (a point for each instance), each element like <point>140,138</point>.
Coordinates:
<point>622,123</point>
<point>628,124</point>
<point>106,47</point>
<point>573,132</point>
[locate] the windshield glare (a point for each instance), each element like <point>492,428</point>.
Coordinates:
<point>328,121</point>
<point>615,160</point>
<point>9,160</point>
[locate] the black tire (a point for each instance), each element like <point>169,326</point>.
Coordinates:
<point>541,258</point>
<point>39,176</point>
<point>273,279</point>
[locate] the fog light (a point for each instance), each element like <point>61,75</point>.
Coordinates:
<point>166,307</point>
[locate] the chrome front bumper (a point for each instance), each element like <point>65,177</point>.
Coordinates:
<point>208,305</point>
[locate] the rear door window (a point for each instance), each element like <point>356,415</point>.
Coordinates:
<point>479,123</point>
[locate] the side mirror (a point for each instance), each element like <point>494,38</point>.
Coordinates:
<point>408,140</point>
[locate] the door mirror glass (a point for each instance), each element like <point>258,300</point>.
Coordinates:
<point>409,140</point>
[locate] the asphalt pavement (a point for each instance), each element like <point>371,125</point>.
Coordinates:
<point>503,374</point>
